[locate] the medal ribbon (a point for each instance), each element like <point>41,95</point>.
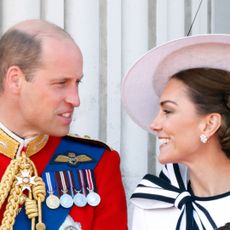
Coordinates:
<point>50,181</point>
<point>70,178</point>
<point>64,181</point>
<point>82,180</point>
<point>90,181</point>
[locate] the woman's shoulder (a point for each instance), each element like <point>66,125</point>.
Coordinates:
<point>149,219</point>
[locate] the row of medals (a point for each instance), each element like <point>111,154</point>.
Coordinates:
<point>67,201</point>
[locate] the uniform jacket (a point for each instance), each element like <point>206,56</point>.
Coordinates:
<point>111,213</point>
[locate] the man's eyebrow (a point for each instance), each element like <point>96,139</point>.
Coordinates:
<point>64,78</point>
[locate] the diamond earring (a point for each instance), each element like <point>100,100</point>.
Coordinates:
<point>203,138</point>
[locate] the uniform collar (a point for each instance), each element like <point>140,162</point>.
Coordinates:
<point>11,145</point>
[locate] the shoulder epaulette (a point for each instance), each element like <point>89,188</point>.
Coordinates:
<point>88,140</point>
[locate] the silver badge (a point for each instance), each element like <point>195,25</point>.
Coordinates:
<point>70,227</point>
<point>66,201</point>
<point>52,201</point>
<point>93,198</point>
<point>80,200</point>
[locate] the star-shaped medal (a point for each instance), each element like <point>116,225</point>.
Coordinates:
<point>25,180</point>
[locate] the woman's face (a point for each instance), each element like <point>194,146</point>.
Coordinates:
<point>177,125</point>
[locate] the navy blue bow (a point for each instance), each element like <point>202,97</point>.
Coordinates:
<point>160,192</point>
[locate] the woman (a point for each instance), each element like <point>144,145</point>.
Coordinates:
<point>184,88</point>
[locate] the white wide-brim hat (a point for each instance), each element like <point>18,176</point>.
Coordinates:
<point>145,80</point>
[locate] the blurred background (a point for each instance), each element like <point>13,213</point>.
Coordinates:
<point>112,35</point>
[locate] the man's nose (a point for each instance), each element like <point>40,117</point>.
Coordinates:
<point>73,97</point>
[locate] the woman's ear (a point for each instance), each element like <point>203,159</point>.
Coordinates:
<point>13,79</point>
<point>213,122</point>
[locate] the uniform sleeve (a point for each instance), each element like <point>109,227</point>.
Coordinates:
<point>112,212</point>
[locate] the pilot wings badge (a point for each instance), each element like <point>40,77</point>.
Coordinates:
<point>73,159</point>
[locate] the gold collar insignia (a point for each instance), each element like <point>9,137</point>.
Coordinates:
<point>12,145</point>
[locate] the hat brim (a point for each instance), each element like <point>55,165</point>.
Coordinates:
<point>145,80</point>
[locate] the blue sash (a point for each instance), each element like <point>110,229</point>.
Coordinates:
<point>53,218</point>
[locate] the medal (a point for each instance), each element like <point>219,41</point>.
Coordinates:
<point>25,181</point>
<point>66,201</point>
<point>52,201</point>
<point>93,198</point>
<point>80,200</point>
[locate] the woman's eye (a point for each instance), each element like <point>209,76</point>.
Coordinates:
<point>166,111</point>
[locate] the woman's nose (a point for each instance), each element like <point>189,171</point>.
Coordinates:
<point>156,124</point>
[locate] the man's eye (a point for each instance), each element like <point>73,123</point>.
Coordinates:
<point>61,82</point>
<point>78,82</point>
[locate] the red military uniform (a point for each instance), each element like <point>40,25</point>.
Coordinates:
<point>111,213</point>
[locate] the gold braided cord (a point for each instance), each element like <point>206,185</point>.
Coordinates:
<point>39,190</point>
<point>7,180</point>
<point>39,194</point>
<point>31,208</point>
<point>12,208</point>
<point>18,168</point>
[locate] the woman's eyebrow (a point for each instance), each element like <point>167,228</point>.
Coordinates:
<point>162,103</point>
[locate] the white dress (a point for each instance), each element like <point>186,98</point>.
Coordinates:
<point>168,203</point>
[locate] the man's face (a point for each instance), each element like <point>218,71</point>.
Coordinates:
<point>46,103</point>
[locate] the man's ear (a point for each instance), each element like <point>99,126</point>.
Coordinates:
<point>13,79</point>
<point>213,122</point>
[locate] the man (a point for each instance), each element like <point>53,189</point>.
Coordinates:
<point>50,180</point>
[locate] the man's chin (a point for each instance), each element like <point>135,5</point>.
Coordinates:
<point>60,132</point>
